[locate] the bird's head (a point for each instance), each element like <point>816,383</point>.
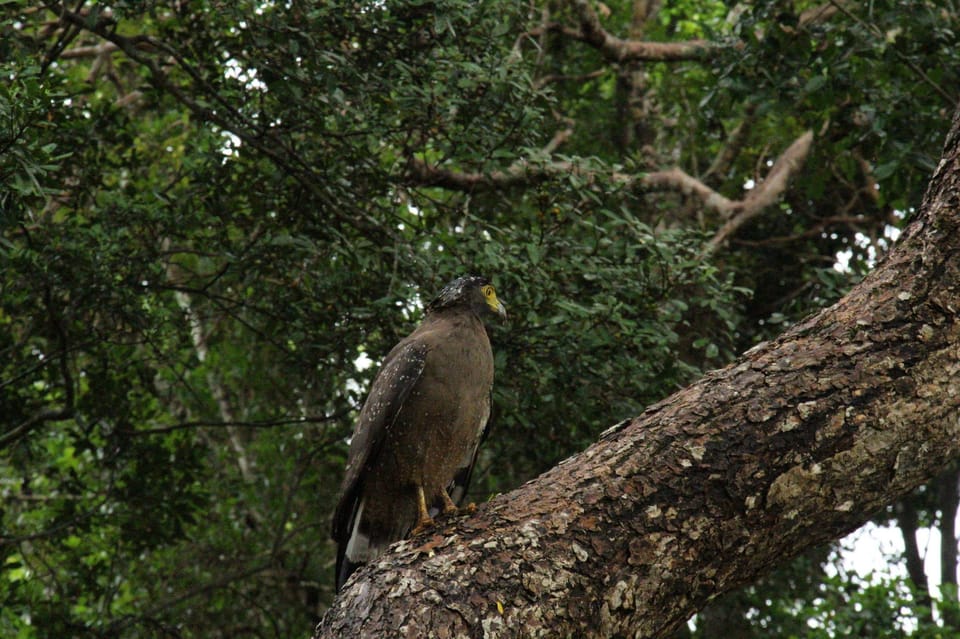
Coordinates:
<point>471,291</point>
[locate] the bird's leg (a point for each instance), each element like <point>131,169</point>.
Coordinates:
<point>449,508</point>
<point>423,515</point>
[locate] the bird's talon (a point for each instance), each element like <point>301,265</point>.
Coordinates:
<point>422,526</point>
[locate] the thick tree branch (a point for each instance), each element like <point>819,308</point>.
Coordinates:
<point>768,191</point>
<point>617,49</point>
<point>526,173</point>
<point>795,444</point>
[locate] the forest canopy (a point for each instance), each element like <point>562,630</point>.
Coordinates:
<point>216,218</point>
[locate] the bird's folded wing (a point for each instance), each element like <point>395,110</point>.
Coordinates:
<point>391,387</point>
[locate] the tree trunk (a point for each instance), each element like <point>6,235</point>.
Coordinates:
<point>948,493</point>
<point>795,444</point>
<point>908,523</point>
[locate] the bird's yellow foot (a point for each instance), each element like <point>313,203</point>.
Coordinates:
<point>422,526</point>
<point>423,515</point>
<point>449,508</point>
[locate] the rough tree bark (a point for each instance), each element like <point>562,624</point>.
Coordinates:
<point>795,444</point>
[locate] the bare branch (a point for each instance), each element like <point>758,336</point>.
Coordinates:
<point>420,173</point>
<point>681,182</point>
<point>786,165</point>
<point>555,77</point>
<point>89,51</point>
<point>619,50</point>
<point>768,191</point>
<point>199,335</point>
<point>559,138</point>
<point>817,15</point>
<point>523,173</point>
<point>251,424</point>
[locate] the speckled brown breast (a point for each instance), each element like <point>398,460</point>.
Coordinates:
<point>438,426</point>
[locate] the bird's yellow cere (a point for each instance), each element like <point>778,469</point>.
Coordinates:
<point>490,295</point>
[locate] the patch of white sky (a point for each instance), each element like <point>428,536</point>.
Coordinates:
<point>246,75</point>
<point>873,554</point>
<point>408,309</point>
<point>890,235</point>
<point>876,551</point>
<point>842,263</point>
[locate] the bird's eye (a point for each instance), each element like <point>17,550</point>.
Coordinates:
<point>488,291</point>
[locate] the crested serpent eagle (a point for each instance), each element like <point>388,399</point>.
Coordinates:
<point>416,440</point>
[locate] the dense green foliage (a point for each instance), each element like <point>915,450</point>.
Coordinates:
<point>211,210</point>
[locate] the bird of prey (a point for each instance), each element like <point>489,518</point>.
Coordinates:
<point>416,440</point>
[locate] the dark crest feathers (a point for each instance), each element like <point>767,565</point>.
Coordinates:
<point>456,291</point>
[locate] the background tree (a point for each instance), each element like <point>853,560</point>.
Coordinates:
<point>211,211</point>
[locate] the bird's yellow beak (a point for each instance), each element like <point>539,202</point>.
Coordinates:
<point>490,295</point>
